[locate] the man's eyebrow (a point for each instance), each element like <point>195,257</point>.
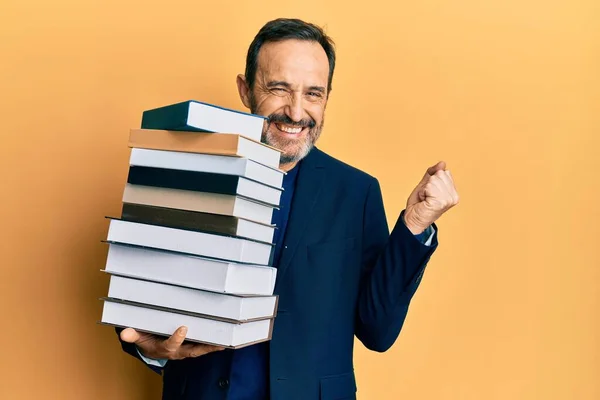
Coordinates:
<point>286,85</point>
<point>279,83</point>
<point>320,89</point>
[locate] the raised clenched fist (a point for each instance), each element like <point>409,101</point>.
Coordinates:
<point>432,197</point>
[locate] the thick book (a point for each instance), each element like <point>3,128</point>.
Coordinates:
<point>221,305</point>
<point>205,143</point>
<point>201,329</point>
<point>207,163</point>
<point>191,271</point>
<point>191,242</point>
<point>204,182</point>
<point>194,115</point>
<point>197,221</point>
<point>214,203</point>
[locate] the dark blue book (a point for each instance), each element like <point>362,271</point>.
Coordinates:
<point>204,182</point>
<point>203,117</point>
<point>198,221</point>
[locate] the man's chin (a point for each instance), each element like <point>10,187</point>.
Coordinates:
<point>295,155</point>
<point>291,150</point>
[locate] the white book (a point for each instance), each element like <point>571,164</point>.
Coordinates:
<point>259,152</point>
<point>218,164</point>
<point>205,143</point>
<point>190,115</point>
<point>190,271</point>
<point>201,329</point>
<point>191,242</point>
<point>213,203</point>
<point>259,192</point>
<point>226,306</point>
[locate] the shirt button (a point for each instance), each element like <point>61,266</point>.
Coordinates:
<point>223,383</point>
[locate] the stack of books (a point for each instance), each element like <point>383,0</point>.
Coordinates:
<point>194,243</point>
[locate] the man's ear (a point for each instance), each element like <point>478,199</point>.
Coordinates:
<point>243,90</point>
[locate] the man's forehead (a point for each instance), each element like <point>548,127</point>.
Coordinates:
<point>293,61</point>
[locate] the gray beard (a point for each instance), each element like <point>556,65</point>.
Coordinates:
<point>301,152</point>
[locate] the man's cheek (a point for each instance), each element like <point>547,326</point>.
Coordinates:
<point>317,116</point>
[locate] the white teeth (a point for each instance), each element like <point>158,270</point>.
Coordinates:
<point>289,130</point>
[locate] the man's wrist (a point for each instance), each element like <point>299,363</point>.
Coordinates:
<point>415,228</point>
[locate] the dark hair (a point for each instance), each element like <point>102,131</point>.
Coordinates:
<point>286,28</point>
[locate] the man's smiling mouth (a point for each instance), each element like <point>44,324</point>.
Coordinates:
<point>289,129</point>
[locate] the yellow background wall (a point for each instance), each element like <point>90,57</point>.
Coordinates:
<point>507,92</point>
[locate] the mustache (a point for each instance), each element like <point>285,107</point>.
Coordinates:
<point>284,119</point>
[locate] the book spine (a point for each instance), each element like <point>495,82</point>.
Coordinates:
<point>180,219</point>
<point>172,117</point>
<point>183,180</point>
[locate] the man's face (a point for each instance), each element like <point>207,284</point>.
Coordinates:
<point>291,89</point>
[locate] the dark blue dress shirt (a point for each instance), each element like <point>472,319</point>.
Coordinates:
<point>249,379</point>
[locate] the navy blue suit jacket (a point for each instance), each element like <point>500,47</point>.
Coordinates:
<point>341,274</point>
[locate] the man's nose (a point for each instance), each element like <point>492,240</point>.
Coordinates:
<point>294,109</point>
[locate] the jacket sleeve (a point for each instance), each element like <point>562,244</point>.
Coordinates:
<point>392,268</point>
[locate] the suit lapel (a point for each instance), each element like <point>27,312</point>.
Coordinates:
<point>309,186</point>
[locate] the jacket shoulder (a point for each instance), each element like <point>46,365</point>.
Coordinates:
<point>344,170</point>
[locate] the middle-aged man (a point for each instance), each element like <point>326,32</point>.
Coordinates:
<point>340,273</point>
